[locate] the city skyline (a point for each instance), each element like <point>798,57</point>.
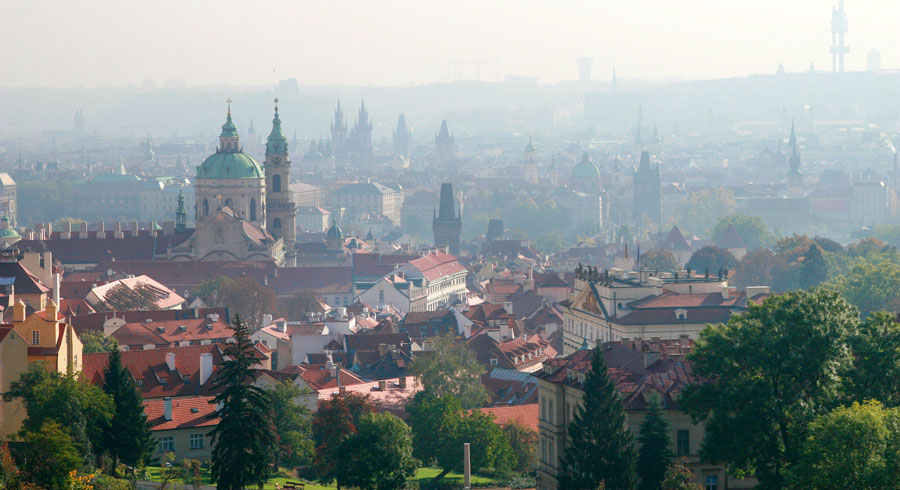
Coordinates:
<point>394,43</point>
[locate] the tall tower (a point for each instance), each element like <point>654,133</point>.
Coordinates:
<point>447,224</point>
<point>282,212</point>
<point>647,192</point>
<point>794,179</point>
<point>584,69</point>
<point>180,214</point>
<point>362,133</point>
<point>838,30</point>
<point>443,144</point>
<point>339,133</point>
<point>402,137</point>
<point>530,164</point>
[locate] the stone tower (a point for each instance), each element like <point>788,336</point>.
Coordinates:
<point>402,137</point>
<point>339,133</point>
<point>530,164</point>
<point>282,212</point>
<point>443,145</point>
<point>794,179</point>
<point>447,224</point>
<point>647,192</point>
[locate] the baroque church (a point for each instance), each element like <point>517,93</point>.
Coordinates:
<point>244,210</point>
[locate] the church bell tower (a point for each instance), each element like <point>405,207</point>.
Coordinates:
<point>282,212</point>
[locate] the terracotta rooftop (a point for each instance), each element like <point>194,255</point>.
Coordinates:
<point>186,413</point>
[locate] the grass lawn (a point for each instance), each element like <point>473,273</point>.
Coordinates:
<point>423,476</point>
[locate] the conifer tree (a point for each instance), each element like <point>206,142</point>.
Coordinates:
<point>654,455</point>
<point>244,440</point>
<point>128,439</point>
<point>600,449</point>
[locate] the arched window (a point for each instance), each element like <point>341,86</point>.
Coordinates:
<point>276,223</point>
<point>230,204</point>
<point>276,183</point>
<point>252,209</point>
<point>205,208</point>
<point>220,236</point>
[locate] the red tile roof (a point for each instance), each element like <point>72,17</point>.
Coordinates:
<point>324,279</point>
<point>318,377</point>
<point>436,265</point>
<point>186,413</point>
<point>526,415</point>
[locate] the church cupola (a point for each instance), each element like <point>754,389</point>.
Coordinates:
<point>277,142</point>
<point>229,141</point>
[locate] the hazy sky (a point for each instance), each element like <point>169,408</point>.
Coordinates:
<point>64,43</point>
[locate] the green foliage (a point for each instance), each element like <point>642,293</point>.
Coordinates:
<point>850,447</point>
<point>211,290</point>
<point>244,440</point>
<point>679,477</point>
<point>703,209</point>
<point>440,427</point>
<point>814,269</point>
<point>451,368</point>
<point>711,258</point>
<point>50,456</point>
<point>600,449</point>
<point>870,287</point>
<point>292,424</point>
<point>751,229</point>
<point>82,409</point>
<point>379,455</point>
<point>625,233</point>
<point>771,370</point>
<point>128,438</point>
<point>305,301</point>
<point>756,268</point>
<point>94,341</point>
<point>663,260</point>
<point>335,420</point>
<point>548,243</point>
<point>249,300</point>
<point>875,374</point>
<point>654,455</point>
<point>43,201</point>
<point>523,441</point>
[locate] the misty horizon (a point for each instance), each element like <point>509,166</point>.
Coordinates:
<point>354,44</point>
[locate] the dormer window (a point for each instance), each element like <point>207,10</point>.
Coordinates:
<point>163,380</point>
<point>139,382</point>
<point>681,314</point>
<point>494,362</point>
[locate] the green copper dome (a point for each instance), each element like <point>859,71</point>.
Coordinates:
<point>229,165</point>
<point>586,169</point>
<point>334,232</point>
<point>277,142</point>
<point>229,130</point>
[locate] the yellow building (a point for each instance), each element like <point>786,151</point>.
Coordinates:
<point>13,362</point>
<point>50,338</point>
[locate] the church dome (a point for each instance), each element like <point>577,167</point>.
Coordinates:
<point>230,165</point>
<point>334,233</point>
<point>586,169</point>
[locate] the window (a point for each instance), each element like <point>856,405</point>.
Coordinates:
<point>166,444</point>
<point>252,209</point>
<point>276,183</point>
<point>186,378</point>
<point>35,337</point>
<point>381,296</point>
<point>139,382</point>
<point>683,443</point>
<point>196,441</point>
<point>550,412</point>
<point>205,208</point>
<point>163,380</point>
<point>493,362</point>
<point>712,482</point>
<point>276,223</point>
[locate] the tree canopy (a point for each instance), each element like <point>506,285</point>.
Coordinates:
<point>751,229</point>
<point>451,368</point>
<point>654,454</point>
<point>663,260</point>
<point>378,455</point>
<point>713,259</point>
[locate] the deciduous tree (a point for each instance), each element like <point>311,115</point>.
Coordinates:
<point>711,258</point>
<point>292,424</point>
<point>451,368</point>
<point>50,456</point>
<point>751,229</point>
<point>770,371</point>
<point>335,420</point>
<point>379,455</point>
<point>663,260</point>
<point>875,373</point>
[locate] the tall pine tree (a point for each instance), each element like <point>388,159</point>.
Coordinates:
<point>654,455</point>
<point>128,439</point>
<point>244,441</point>
<point>600,451</point>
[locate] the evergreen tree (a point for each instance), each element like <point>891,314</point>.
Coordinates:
<point>600,449</point>
<point>128,439</point>
<point>244,441</point>
<point>814,270</point>
<point>654,455</point>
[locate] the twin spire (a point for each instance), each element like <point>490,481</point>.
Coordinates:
<point>277,142</point>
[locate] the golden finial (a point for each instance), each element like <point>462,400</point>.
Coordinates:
<point>228,100</point>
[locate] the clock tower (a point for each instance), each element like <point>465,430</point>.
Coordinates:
<point>282,212</point>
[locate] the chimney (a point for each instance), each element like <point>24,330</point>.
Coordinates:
<point>213,317</point>
<point>650,357</point>
<point>508,306</point>
<point>206,367</point>
<point>51,311</point>
<point>382,385</point>
<point>167,408</point>
<point>402,382</point>
<point>135,228</point>
<point>724,290</point>
<point>342,390</point>
<point>170,360</point>
<point>504,330</point>
<point>267,319</point>
<point>56,287</point>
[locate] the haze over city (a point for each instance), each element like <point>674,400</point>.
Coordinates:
<point>398,245</point>
<point>402,42</point>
